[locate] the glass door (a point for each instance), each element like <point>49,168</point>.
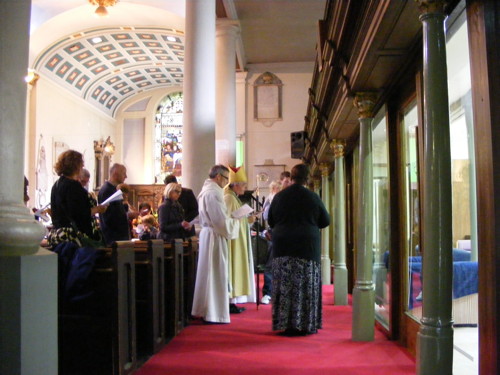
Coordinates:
<point>381,223</point>
<point>411,199</point>
<point>464,218</point>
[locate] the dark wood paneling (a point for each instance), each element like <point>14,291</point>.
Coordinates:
<point>484,40</point>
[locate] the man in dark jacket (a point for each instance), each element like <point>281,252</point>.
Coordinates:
<point>114,222</point>
<point>187,200</point>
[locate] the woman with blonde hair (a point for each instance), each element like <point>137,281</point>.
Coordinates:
<point>171,215</point>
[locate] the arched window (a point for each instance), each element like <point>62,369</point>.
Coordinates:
<point>168,137</point>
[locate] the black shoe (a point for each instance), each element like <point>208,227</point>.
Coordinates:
<point>233,309</point>
<point>292,332</point>
<point>209,322</point>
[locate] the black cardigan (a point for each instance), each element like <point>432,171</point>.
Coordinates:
<point>170,216</point>
<point>296,216</point>
<point>70,201</point>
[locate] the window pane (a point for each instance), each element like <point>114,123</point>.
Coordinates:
<point>412,211</point>
<point>381,215</point>
<point>168,137</point>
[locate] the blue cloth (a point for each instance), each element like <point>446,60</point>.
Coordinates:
<point>75,267</point>
<point>465,278</point>
<point>460,255</point>
<point>465,274</point>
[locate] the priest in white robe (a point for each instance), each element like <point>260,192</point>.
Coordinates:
<point>211,293</point>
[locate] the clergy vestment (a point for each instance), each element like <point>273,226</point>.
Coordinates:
<point>211,294</point>
<point>241,274</point>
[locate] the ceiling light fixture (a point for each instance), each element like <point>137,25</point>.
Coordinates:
<point>101,10</point>
<point>31,77</point>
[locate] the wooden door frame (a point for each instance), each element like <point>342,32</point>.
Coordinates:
<point>483,16</point>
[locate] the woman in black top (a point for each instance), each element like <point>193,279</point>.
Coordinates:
<point>171,215</point>
<point>296,216</point>
<point>71,207</point>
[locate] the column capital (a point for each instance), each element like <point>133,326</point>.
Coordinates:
<point>365,102</point>
<point>338,147</point>
<point>316,182</point>
<point>431,6</point>
<point>325,170</point>
<point>241,77</point>
<point>227,27</point>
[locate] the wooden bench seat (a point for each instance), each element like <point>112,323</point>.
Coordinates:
<point>143,298</point>
<point>97,335</point>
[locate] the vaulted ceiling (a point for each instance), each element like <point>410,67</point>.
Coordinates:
<point>140,46</point>
<point>105,66</point>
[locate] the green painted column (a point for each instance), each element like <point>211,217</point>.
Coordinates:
<point>340,273</point>
<point>363,296</point>
<point>435,338</point>
<point>326,262</point>
<point>28,274</point>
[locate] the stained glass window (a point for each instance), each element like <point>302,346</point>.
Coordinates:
<point>168,137</point>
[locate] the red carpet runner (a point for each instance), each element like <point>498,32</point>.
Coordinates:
<point>248,346</point>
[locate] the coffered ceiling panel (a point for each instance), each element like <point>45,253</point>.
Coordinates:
<point>105,66</point>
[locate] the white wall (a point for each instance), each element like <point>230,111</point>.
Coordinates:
<point>141,160</point>
<point>274,142</point>
<point>133,149</point>
<point>59,116</point>
<point>55,115</point>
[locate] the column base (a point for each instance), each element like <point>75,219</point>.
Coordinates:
<point>340,276</point>
<point>20,233</point>
<point>363,313</point>
<point>326,271</point>
<point>28,314</point>
<point>435,350</point>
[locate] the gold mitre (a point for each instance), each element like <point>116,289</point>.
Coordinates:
<point>237,174</point>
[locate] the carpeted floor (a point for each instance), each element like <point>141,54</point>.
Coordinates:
<point>248,346</point>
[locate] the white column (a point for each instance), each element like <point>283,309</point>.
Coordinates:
<point>28,275</point>
<point>241,100</point>
<point>199,93</point>
<point>225,99</point>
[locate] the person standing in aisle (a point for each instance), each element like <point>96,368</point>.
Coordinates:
<point>211,293</point>
<point>296,216</point>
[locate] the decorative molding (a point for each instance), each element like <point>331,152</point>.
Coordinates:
<point>268,99</point>
<point>365,102</point>
<point>325,169</point>
<point>338,147</point>
<point>431,6</point>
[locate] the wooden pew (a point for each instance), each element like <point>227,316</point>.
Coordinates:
<point>174,286</point>
<point>97,335</point>
<point>190,266</point>
<point>150,296</point>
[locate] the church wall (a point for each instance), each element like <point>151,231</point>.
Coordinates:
<point>273,142</point>
<point>135,116</point>
<point>58,120</point>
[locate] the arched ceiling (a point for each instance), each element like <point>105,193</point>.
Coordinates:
<point>135,52</point>
<point>105,61</point>
<point>105,66</point>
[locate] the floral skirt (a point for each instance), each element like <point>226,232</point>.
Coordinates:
<point>297,302</point>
